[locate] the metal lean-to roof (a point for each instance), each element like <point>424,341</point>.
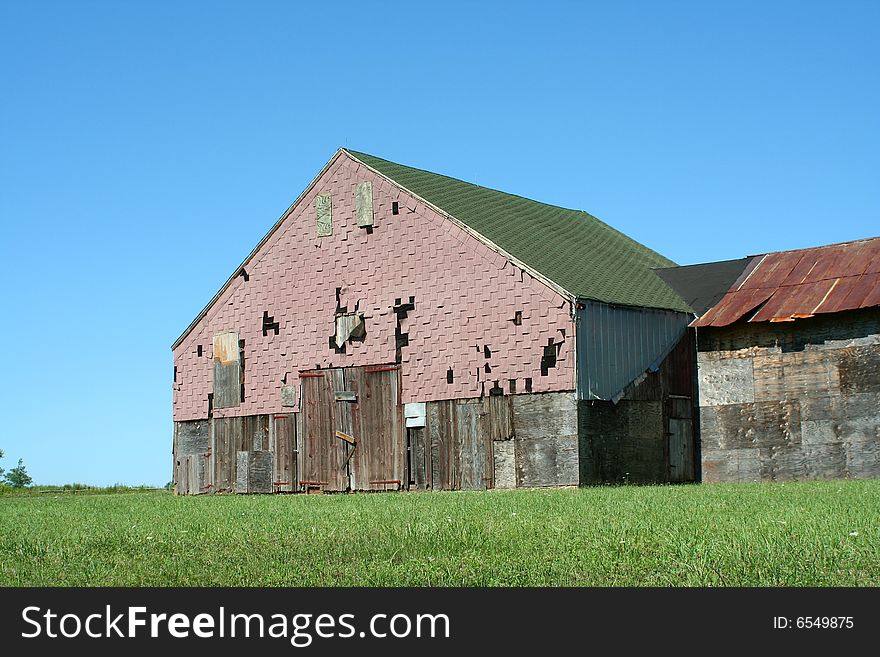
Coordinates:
<point>579,253</point>
<point>789,285</point>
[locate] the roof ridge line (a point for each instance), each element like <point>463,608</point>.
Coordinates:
<point>820,246</point>
<point>467,229</point>
<point>638,245</point>
<point>354,154</point>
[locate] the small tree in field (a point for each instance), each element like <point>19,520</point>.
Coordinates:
<point>18,476</point>
<point>1,469</point>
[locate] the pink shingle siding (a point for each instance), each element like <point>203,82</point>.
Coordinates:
<point>466,296</point>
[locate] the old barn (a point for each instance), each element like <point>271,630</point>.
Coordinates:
<point>400,329</point>
<point>789,363</point>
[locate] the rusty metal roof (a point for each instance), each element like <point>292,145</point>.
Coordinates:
<point>790,285</point>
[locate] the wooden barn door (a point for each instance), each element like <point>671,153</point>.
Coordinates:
<point>376,420</point>
<point>681,440</point>
<point>352,433</point>
<point>322,455</point>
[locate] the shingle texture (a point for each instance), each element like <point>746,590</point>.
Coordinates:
<point>581,254</point>
<point>464,298</point>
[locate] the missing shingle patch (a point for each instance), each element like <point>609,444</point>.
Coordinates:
<point>269,323</point>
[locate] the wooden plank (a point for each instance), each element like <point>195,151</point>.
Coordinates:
<point>504,463</point>
<point>442,443</point>
<point>285,452</point>
<point>498,417</point>
<point>181,475</point>
<point>794,375</point>
<point>860,369</point>
<point>726,381</point>
<point>458,445</point>
<point>242,462</point>
<point>546,430</point>
<point>324,215</point>
<point>323,454</point>
<point>471,446</point>
<point>726,465</point>
<point>288,396</point>
<point>547,461</point>
<point>300,445</point>
<point>228,441</point>
<point>210,461</point>
<point>378,426</point>
<point>259,471</point>
<point>419,461</point>
<point>760,425</point>
<point>342,424</point>
<point>364,203</point>
<point>192,449</point>
<point>227,370</point>
<point>174,475</point>
<point>256,433</point>
<point>192,437</point>
<point>544,414</point>
<point>680,450</point>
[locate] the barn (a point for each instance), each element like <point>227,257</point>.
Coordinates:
<point>788,363</point>
<point>400,329</point>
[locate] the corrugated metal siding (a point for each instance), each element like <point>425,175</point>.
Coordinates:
<point>615,344</point>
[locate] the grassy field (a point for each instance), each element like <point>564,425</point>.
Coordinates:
<point>816,534</point>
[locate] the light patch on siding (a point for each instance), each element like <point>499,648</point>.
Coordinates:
<point>350,325</point>
<point>226,348</point>
<point>324,214</point>
<point>415,413</point>
<point>364,203</point>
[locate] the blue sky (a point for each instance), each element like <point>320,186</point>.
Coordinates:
<point>146,147</point>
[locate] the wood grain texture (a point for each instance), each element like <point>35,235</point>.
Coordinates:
<point>227,370</point>
<point>284,435</point>
<point>816,413</point>
<point>323,455</point>
<point>377,424</point>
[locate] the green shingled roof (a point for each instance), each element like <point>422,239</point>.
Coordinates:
<point>573,249</point>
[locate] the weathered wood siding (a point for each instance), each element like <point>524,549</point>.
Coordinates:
<point>227,370</point>
<point>648,436</point>
<point>192,453</point>
<point>353,435</point>
<point>254,454</point>
<point>379,462</point>
<point>799,400</point>
<point>283,444</point>
<point>323,455</point>
<point>546,439</point>
<point>230,436</point>
<point>455,449</point>
<point>499,441</point>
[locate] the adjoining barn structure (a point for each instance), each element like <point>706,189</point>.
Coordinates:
<point>788,363</point>
<point>400,329</point>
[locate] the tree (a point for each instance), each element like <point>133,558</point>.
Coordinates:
<point>18,476</point>
<point>1,469</point>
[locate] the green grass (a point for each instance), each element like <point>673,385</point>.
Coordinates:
<point>804,534</point>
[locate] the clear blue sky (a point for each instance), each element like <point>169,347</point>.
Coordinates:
<point>146,147</point>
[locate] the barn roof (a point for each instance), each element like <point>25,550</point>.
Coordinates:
<point>703,285</point>
<point>789,285</point>
<point>569,248</point>
<point>573,249</point>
